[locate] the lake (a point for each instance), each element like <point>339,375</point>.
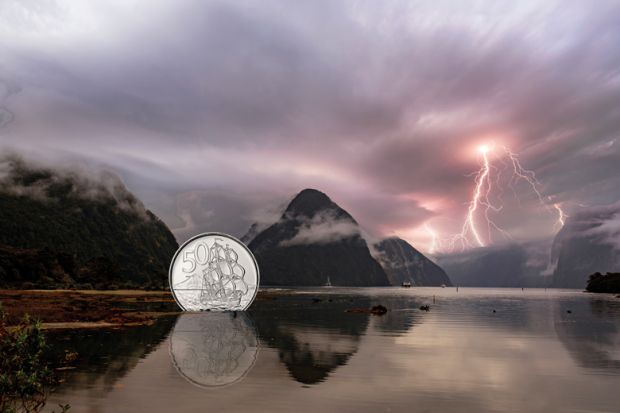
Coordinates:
<point>476,350</point>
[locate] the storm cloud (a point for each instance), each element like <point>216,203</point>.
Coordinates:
<point>213,111</point>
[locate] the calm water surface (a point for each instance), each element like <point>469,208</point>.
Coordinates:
<point>478,350</point>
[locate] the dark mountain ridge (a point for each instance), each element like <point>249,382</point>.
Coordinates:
<point>403,263</point>
<point>64,229</point>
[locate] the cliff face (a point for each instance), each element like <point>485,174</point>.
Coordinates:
<point>402,262</point>
<point>62,229</point>
<point>588,243</point>
<point>313,242</point>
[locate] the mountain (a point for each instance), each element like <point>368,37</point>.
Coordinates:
<point>589,242</point>
<point>508,266</point>
<point>75,229</point>
<point>252,232</point>
<point>313,242</point>
<point>402,262</point>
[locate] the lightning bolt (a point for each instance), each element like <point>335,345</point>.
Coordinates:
<point>487,182</point>
<point>470,234</point>
<point>561,216</point>
<point>480,197</point>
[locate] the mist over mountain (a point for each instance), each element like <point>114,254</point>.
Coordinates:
<point>313,242</point>
<point>589,242</point>
<point>512,265</point>
<point>77,228</point>
<point>403,263</point>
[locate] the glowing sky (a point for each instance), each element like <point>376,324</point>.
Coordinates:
<point>217,112</point>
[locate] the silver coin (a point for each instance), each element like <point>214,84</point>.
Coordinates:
<point>214,271</point>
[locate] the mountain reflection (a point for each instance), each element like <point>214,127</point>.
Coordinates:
<point>590,333</point>
<point>403,314</point>
<point>107,355</point>
<point>312,338</point>
<point>213,349</point>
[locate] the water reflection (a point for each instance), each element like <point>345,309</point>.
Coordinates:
<point>402,316</point>
<point>312,338</point>
<point>476,350</point>
<point>213,349</point>
<point>590,332</point>
<point>106,355</point>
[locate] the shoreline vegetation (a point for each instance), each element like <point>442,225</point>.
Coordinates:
<point>604,283</point>
<point>57,309</point>
<point>27,377</point>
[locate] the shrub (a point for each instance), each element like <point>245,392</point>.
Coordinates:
<point>25,378</point>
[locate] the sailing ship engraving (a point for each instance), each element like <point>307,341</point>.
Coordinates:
<point>214,277</point>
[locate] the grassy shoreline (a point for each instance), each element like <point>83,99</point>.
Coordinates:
<point>73,309</point>
<point>57,309</point>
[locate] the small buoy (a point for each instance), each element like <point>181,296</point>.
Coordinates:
<point>569,311</point>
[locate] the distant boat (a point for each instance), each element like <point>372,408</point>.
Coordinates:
<point>443,286</point>
<point>328,283</point>
<point>406,284</point>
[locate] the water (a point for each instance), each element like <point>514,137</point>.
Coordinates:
<point>478,350</point>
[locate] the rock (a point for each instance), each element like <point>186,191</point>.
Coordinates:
<point>376,310</point>
<point>357,310</point>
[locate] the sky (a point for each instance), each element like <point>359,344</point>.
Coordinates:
<point>216,113</point>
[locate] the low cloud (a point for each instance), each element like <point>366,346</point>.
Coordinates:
<point>600,224</point>
<point>323,228</point>
<point>23,178</point>
<point>379,108</point>
<point>6,90</point>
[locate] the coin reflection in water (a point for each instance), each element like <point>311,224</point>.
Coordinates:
<point>213,349</point>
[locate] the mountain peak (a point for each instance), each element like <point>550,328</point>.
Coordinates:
<point>310,202</point>
<point>315,242</point>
